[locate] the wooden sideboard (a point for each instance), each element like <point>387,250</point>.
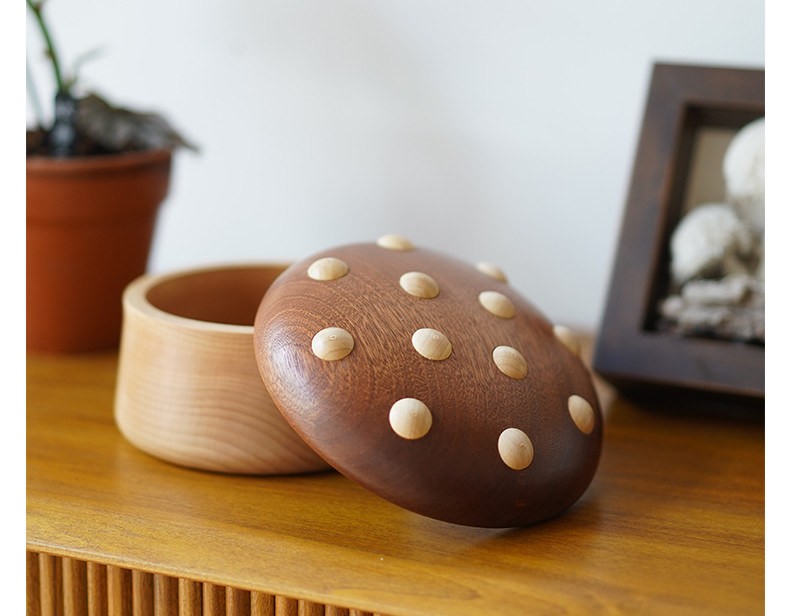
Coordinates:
<point>673,523</point>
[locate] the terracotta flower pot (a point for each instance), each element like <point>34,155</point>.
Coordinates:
<point>90,224</point>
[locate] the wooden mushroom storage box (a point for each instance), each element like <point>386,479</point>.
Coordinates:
<point>431,382</point>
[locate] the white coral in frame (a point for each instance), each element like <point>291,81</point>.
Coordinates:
<point>711,240</point>
<point>744,173</point>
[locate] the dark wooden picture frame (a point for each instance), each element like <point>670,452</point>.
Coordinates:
<point>630,352</point>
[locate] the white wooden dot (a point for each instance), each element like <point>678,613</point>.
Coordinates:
<point>515,449</point>
<point>327,268</point>
<point>419,285</point>
<point>489,269</point>
<point>582,413</point>
<point>332,343</point>
<point>431,344</point>
<point>394,242</point>
<point>497,304</point>
<point>410,418</point>
<point>510,362</point>
<point>568,338</point>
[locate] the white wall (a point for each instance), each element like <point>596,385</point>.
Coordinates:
<point>496,130</point>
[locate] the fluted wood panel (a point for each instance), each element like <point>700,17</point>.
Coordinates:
<point>237,602</point>
<point>142,593</point>
<point>51,585</point>
<point>261,604</point>
<point>165,595</point>
<point>286,606</point>
<point>308,608</point>
<point>61,586</point>
<point>75,587</point>
<point>97,589</point>
<point>190,598</point>
<point>33,585</point>
<point>119,591</point>
<point>213,600</point>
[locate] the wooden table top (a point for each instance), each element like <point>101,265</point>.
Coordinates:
<point>673,522</point>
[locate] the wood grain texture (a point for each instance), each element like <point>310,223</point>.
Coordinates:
<point>190,598</point>
<point>286,606</point>
<point>75,587</point>
<point>237,602</point>
<point>119,591</point>
<point>33,585</point>
<point>142,593</point>
<point>673,522</point>
<point>213,600</point>
<point>51,595</point>
<point>165,595</point>
<point>97,589</point>
<point>440,351</point>
<point>189,391</point>
<point>261,604</point>
<point>310,608</point>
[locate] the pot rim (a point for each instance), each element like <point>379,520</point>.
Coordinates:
<point>90,164</point>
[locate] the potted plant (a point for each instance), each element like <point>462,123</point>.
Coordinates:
<point>96,177</point>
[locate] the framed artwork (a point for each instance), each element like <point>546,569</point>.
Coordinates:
<point>652,334</point>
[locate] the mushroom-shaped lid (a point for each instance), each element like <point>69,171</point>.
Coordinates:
<point>431,382</point>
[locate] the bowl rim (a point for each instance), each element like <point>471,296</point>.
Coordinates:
<point>135,295</point>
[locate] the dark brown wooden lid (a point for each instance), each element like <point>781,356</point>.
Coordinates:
<point>432,382</point>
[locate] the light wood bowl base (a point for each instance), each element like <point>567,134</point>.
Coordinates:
<point>189,390</point>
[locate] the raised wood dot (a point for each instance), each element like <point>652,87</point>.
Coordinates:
<point>515,449</point>
<point>568,338</point>
<point>497,304</point>
<point>410,418</point>
<point>327,268</point>
<point>510,362</point>
<point>491,270</point>
<point>419,285</point>
<point>332,343</point>
<point>394,242</point>
<point>582,413</point>
<point>431,344</point>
